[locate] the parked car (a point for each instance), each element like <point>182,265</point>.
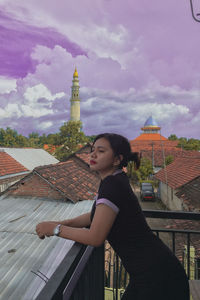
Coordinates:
<point>147,191</point>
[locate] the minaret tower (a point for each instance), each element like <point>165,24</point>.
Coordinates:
<point>75,100</point>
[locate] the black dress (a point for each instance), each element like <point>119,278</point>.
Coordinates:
<point>155,272</point>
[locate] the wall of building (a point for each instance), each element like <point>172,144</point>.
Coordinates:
<point>168,197</point>
<point>6,182</point>
<point>35,186</point>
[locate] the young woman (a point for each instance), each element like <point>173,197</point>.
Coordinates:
<point>155,273</point>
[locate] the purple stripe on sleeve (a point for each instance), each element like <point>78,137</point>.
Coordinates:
<point>108,203</point>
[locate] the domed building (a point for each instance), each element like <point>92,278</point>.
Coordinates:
<point>153,146</point>
<point>150,131</point>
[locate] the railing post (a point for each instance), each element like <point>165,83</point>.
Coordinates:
<point>188,255</point>
<point>116,277</point>
<point>173,243</point>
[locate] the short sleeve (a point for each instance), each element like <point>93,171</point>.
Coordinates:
<point>109,193</point>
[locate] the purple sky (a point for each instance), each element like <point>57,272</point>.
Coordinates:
<point>134,58</point>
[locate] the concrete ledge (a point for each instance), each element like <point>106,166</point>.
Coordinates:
<point>195,289</point>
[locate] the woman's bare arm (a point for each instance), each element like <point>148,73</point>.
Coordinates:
<point>103,220</point>
<point>77,222</point>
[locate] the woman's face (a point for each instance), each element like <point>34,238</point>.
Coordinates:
<point>102,158</point>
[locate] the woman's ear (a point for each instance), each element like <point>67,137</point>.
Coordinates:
<point>118,160</point>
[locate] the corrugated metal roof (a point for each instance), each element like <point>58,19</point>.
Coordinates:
<point>31,158</point>
<point>21,251</point>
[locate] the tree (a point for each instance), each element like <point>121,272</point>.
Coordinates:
<point>21,141</point>
<point>53,139</point>
<point>33,140</point>
<point>91,138</point>
<point>71,137</point>
<point>189,144</point>
<point>172,137</point>
<point>8,137</point>
<point>168,160</point>
<point>143,172</point>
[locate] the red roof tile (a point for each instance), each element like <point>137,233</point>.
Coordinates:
<point>73,178</point>
<point>160,154</point>
<point>9,165</point>
<point>150,137</point>
<point>137,145</point>
<point>180,172</point>
<point>84,156</point>
<point>84,153</point>
<point>190,194</point>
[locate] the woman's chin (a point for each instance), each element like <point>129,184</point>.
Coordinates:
<point>93,167</point>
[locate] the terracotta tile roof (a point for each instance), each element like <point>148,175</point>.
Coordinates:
<point>180,172</point>
<point>72,178</point>
<point>150,137</point>
<point>147,144</point>
<point>160,154</point>
<point>50,148</point>
<point>84,156</point>
<point>190,194</point>
<point>9,165</point>
<point>85,149</point>
<point>84,153</point>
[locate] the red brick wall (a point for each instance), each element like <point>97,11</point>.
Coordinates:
<point>36,187</point>
<point>5,183</point>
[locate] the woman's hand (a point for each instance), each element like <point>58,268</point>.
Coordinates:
<point>45,229</point>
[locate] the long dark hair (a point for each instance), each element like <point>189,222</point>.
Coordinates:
<point>121,146</point>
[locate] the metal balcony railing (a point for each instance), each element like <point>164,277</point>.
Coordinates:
<point>88,273</point>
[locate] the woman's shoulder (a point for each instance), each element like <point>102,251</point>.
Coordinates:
<point>116,180</point>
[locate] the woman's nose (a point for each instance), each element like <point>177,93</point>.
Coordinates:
<point>93,154</point>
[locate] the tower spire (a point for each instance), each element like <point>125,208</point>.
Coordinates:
<point>75,99</point>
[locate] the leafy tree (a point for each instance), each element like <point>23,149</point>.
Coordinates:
<point>143,173</point>
<point>21,141</point>
<point>71,138</point>
<point>33,135</point>
<point>168,160</point>
<point>172,137</point>
<point>33,140</point>
<point>189,144</point>
<point>42,139</point>
<point>8,137</point>
<point>53,139</point>
<point>91,138</point>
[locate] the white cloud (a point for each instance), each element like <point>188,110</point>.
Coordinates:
<point>10,111</point>
<point>36,112</point>
<point>45,125</point>
<point>166,112</point>
<point>107,111</point>
<point>7,85</point>
<point>38,91</point>
<point>100,38</point>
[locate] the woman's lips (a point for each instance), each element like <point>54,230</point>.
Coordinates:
<point>92,162</point>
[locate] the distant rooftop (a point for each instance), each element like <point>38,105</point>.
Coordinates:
<point>180,172</point>
<point>150,137</point>
<point>73,178</point>
<point>30,158</point>
<point>8,165</point>
<point>190,194</point>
